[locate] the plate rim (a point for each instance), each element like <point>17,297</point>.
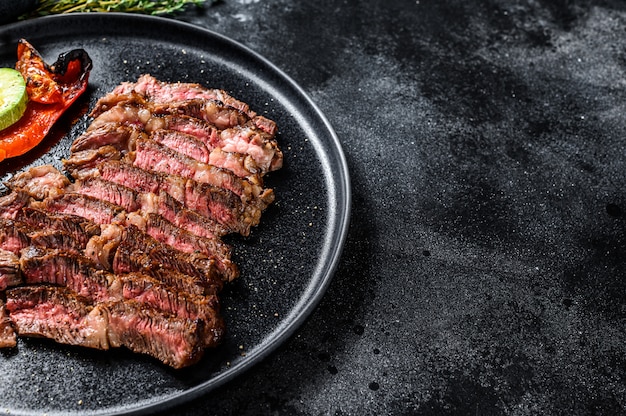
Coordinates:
<point>343,203</point>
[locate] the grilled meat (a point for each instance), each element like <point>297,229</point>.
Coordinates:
<point>127,251</point>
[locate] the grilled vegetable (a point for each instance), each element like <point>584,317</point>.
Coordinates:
<point>13,97</point>
<point>51,90</point>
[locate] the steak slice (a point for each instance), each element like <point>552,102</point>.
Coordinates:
<point>59,314</point>
<point>166,232</point>
<point>13,235</point>
<point>40,265</point>
<point>80,229</point>
<point>157,91</point>
<point>39,182</point>
<point>90,208</point>
<point>173,340</point>
<point>148,291</point>
<point>240,164</point>
<point>119,136</point>
<point>247,139</point>
<point>111,192</point>
<point>78,273</point>
<point>9,270</point>
<point>211,111</point>
<point>12,203</point>
<point>217,198</point>
<point>183,193</point>
<point>138,251</point>
<point>147,203</point>
<point>184,143</point>
<point>85,162</point>
<point>201,130</point>
<point>8,338</point>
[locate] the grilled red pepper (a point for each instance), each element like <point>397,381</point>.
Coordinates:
<point>51,90</point>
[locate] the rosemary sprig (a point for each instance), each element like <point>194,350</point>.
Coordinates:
<point>47,7</point>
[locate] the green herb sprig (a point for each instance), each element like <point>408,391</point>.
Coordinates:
<point>47,7</point>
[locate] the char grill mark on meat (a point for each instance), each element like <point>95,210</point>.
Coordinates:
<point>59,314</point>
<point>15,235</point>
<point>77,273</point>
<point>218,203</point>
<point>93,209</point>
<point>183,143</point>
<point>9,270</point>
<point>138,251</point>
<point>12,203</point>
<point>175,341</point>
<point>131,253</point>
<point>166,232</point>
<point>8,337</point>
<point>85,163</point>
<point>113,193</point>
<point>39,182</point>
<point>119,136</point>
<point>80,229</point>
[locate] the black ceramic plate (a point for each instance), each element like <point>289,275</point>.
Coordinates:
<point>286,263</point>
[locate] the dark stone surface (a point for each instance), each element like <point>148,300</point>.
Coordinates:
<point>485,268</point>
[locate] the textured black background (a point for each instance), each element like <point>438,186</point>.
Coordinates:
<point>485,268</point>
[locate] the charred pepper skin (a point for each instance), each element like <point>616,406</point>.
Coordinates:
<point>51,89</point>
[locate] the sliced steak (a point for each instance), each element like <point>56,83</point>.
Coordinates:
<point>8,338</point>
<point>14,235</point>
<point>85,163</point>
<point>90,208</point>
<point>184,143</point>
<point>59,314</point>
<point>41,266</point>
<point>157,91</point>
<point>148,203</point>
<point>217,198</point>
<point>201,130</point>
<point>111,192</point>
<point>160,92</point>
<point>39,182</point>
<point>247,139</point>
<point>79,228</point>
<point>119,136</point>
<point>138,251</point>
<point>9,270</point>
<point>166,232</point>
<point>12,203</point>
<point>175,341</point>
<point>212,111</point>
<point>148,291</point>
